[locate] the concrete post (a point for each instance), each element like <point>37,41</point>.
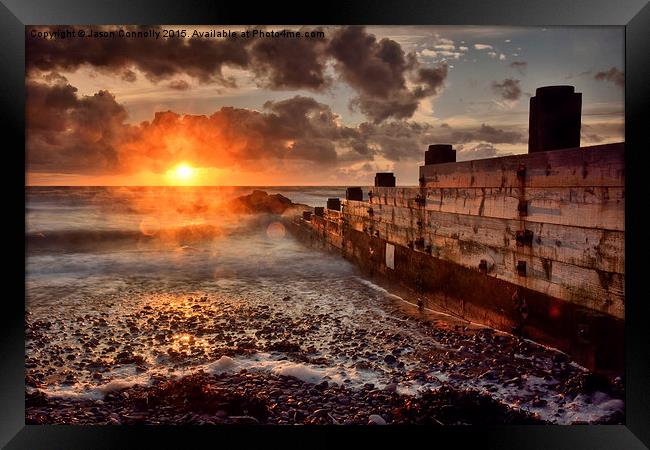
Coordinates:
<point>554,120</point>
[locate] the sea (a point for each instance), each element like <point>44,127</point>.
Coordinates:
<point>128,284</point>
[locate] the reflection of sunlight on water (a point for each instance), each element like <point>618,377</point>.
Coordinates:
<point>189,344</point>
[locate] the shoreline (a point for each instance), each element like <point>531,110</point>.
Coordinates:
<point>262,398</point>
<point>475,367</point>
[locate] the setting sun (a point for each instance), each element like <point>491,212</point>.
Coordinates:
<point>182,174</point>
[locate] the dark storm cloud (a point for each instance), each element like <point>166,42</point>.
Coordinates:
<point>55,77</point>
<point>389,83</point>
<point>520,66</point>
<point>72,133</point>
<point>298,128</point>
<point>315,149</point>
<point>158,59</point>
<point>290,63</point>
<point>69,133</point>
<point>397,140</point>
<point>378,71</point>
<point>508,89</point>
<point>613,75</point>
<point>432,80</point>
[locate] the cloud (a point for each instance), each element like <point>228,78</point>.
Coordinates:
<point>129,75</point>
<point>389,82</point>
<point>69,133</point>
<point>179,85</point>
<point>479,151</point>
<point>487,133</point>
<point>441,53</point>
<point>75,134</point>
<point>602,132</point>
<point>403,140</point>
<point>519,66</point>
<point>378,71</point>
<point>613,75</point>
<point>431,80</point>
<point>290,63</point>
<point>443,48</point>
<point>157,59</point>
<point>591,138</point>
<point>508,89</point>
<point>398,140</point>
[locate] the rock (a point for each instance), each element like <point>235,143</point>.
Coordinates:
<point>343,400</point>
<point>560,358</point>
<point>392,387</point>
<point>376,419</point>
<point>390,359</point>
<point>539,402</point>
<point>244,419</point>
<point>261,202</point>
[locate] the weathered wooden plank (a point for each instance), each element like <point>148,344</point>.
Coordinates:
<point>603,291</point>
<point>332,214</point>
<point>600,207</point>
<point>585,247</point>
<point>599,165</point>
<point>595,207</point>
<point>596,289</point>
<point>325,225</point>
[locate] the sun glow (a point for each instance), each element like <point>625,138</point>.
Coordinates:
<point>182,174</point>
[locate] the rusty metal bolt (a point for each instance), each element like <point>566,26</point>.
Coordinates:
<point>521,171</point>
<point>522,207</point>
<point>521,268</point>
<point>524,237</point>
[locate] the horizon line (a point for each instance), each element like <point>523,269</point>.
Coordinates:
<point>201,185</point>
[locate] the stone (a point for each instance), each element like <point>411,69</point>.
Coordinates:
<point>390,359</point>
<point>376,419</point>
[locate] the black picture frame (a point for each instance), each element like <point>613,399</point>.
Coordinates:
<point>634,15</point>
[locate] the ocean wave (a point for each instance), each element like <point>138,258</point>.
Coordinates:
<point>78,239</point>
<point>148,232</point>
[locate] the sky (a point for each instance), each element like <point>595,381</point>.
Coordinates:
<point>332,109</point>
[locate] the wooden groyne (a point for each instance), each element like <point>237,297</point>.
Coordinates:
<point>532,244</point>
